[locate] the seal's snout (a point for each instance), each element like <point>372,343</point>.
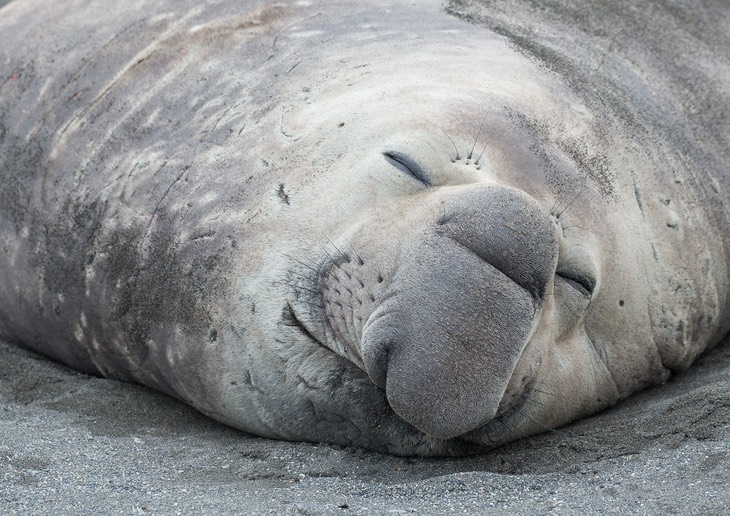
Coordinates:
<point>445,344</point>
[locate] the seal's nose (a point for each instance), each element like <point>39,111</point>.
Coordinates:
<point>464,304</point>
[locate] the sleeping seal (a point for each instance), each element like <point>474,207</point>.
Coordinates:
<point>403,226</point>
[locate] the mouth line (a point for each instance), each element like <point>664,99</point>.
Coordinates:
<point>515,408</point>
<point>292,319</point>
<point>502,423</point>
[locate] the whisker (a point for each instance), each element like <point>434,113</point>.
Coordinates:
<point>577,195</point>
<point>436,151</point>
<point>527,399</point>
<point>337,248</point>
<point>565,228</point>
<point>471,152</point>
<point>334,260</point>
<point>501,420</point>
<point>479,166</point>
<point>299,274</point>
<point>336,264</point>
<point>557,206</point>
<point>315,293</point>
<point>559,396</point>
<point>547,393</point>
<point>311,304</point>
<point>352,247</point>
<point>456,149</point>
<point>300,262</point>
<point>554,207</point>
<point>526,416</point>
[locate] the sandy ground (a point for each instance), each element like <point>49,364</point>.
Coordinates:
<point>71,443</point>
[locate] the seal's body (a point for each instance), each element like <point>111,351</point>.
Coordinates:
<point>417,230</point>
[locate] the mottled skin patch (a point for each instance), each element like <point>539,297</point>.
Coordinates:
<point>420,230</point>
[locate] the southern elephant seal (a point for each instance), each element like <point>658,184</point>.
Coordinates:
<point>416,228</point>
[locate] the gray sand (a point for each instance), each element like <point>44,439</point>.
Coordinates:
<point>71,443</point>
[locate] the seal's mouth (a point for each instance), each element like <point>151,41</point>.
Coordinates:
<point>508,419</point>
<point>290,318</point>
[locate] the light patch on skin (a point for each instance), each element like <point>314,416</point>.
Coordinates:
<point>81,327</point>
<point>90,276</point>
<point>170,356</point>
<point>153,118</point>
<point>307,34</point>
<point>45,90</point>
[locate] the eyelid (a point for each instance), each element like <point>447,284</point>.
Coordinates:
<point>407,165</point>
<point>581,282</point>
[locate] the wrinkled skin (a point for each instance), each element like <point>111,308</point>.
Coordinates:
<point>423,231</point>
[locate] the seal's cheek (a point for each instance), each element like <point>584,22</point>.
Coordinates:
<point>575,382</point>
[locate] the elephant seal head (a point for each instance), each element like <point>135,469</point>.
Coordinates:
<point>362,222</point>
<point>444,253</point>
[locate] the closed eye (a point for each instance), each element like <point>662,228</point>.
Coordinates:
<point>578,281</point>
<point>407,165</point>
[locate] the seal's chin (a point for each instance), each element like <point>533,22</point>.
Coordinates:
<point>514,414</point>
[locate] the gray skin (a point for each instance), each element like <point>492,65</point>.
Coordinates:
<point>411,227</point>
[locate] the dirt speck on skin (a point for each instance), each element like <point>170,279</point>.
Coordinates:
<point>69,440</point>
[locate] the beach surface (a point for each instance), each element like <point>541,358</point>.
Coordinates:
<point>72,443</point>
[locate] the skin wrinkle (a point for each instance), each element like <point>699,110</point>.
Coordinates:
<point>74,77</point>
<point>602,359</point>
<point>537,300</point>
